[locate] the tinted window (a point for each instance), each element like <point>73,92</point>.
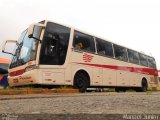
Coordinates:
<point>120,53</point>
<point>133,56</point>
<point>143,60</point>
<point>151,62</point>
<point>83,42</point>
<point>55,44</point>
<point>104,47</point>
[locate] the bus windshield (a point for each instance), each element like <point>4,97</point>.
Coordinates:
<point>26,50</point>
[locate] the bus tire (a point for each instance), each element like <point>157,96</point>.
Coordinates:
<point>81,82</point>
<point>144,86</point>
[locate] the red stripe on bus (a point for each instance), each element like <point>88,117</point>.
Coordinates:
<point>148,71</point>
<point>18,72</point>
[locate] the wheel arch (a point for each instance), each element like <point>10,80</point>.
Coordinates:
<point>84,72</point>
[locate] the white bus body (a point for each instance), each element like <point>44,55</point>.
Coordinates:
<point>61,55</point>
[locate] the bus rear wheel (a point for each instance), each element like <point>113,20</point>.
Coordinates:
<point>81,82</point>
<point>144,86</point>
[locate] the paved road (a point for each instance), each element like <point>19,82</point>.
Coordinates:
<point>92,103</point>
<point>88,103</point>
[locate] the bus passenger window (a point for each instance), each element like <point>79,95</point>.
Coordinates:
<point>133,56</point>
<point>143,59</point>
<point>151,62</point>
<point>104,47</point>
<point>120,53</point>
<point>83,42</point>
<point>80,45</point>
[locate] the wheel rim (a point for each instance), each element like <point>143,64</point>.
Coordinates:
<point>80,83</point>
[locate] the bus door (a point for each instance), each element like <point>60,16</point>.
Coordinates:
<point>54,52</point>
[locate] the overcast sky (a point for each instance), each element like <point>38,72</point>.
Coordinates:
<point>131,23</point>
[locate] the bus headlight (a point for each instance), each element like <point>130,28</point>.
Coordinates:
<point>31,67</point>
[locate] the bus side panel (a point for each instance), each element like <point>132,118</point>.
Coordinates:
<point>109,77</point>
<point>122,78</point>
<point>151,80</point>
<point>98,72</point>
<point>68,75</point>
<point>97,77</point>
<point>135,79</point>
<point>53,76</point>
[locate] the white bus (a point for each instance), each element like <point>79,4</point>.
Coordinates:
<point>49,53</point>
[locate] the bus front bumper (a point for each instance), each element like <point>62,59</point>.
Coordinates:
<point>26,78</point>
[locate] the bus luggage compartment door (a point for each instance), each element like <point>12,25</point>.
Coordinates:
<point>53,76</point>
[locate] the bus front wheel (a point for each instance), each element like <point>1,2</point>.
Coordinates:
<point>81,82</point>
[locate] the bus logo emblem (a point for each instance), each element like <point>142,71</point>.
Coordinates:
<point>87,58</point>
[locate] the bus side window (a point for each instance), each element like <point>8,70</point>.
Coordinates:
<point>120,53</point>
<point>133,56</point>
<point>151,62</point>
<point>83,42</point>
<point>100,46</point>
<point>143,59</point>
<point>104,47</point>
<point>78,43</point>
<point>108,49</point>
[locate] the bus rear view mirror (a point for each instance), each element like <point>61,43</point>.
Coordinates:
<point>34,31</point>
<point>8,46</point>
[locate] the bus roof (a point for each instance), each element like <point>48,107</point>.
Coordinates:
<point>4,60</point>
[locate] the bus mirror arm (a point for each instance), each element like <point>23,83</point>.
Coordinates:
<point>8,53</point>
<point>31,36</point>
<point>32,30</point>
